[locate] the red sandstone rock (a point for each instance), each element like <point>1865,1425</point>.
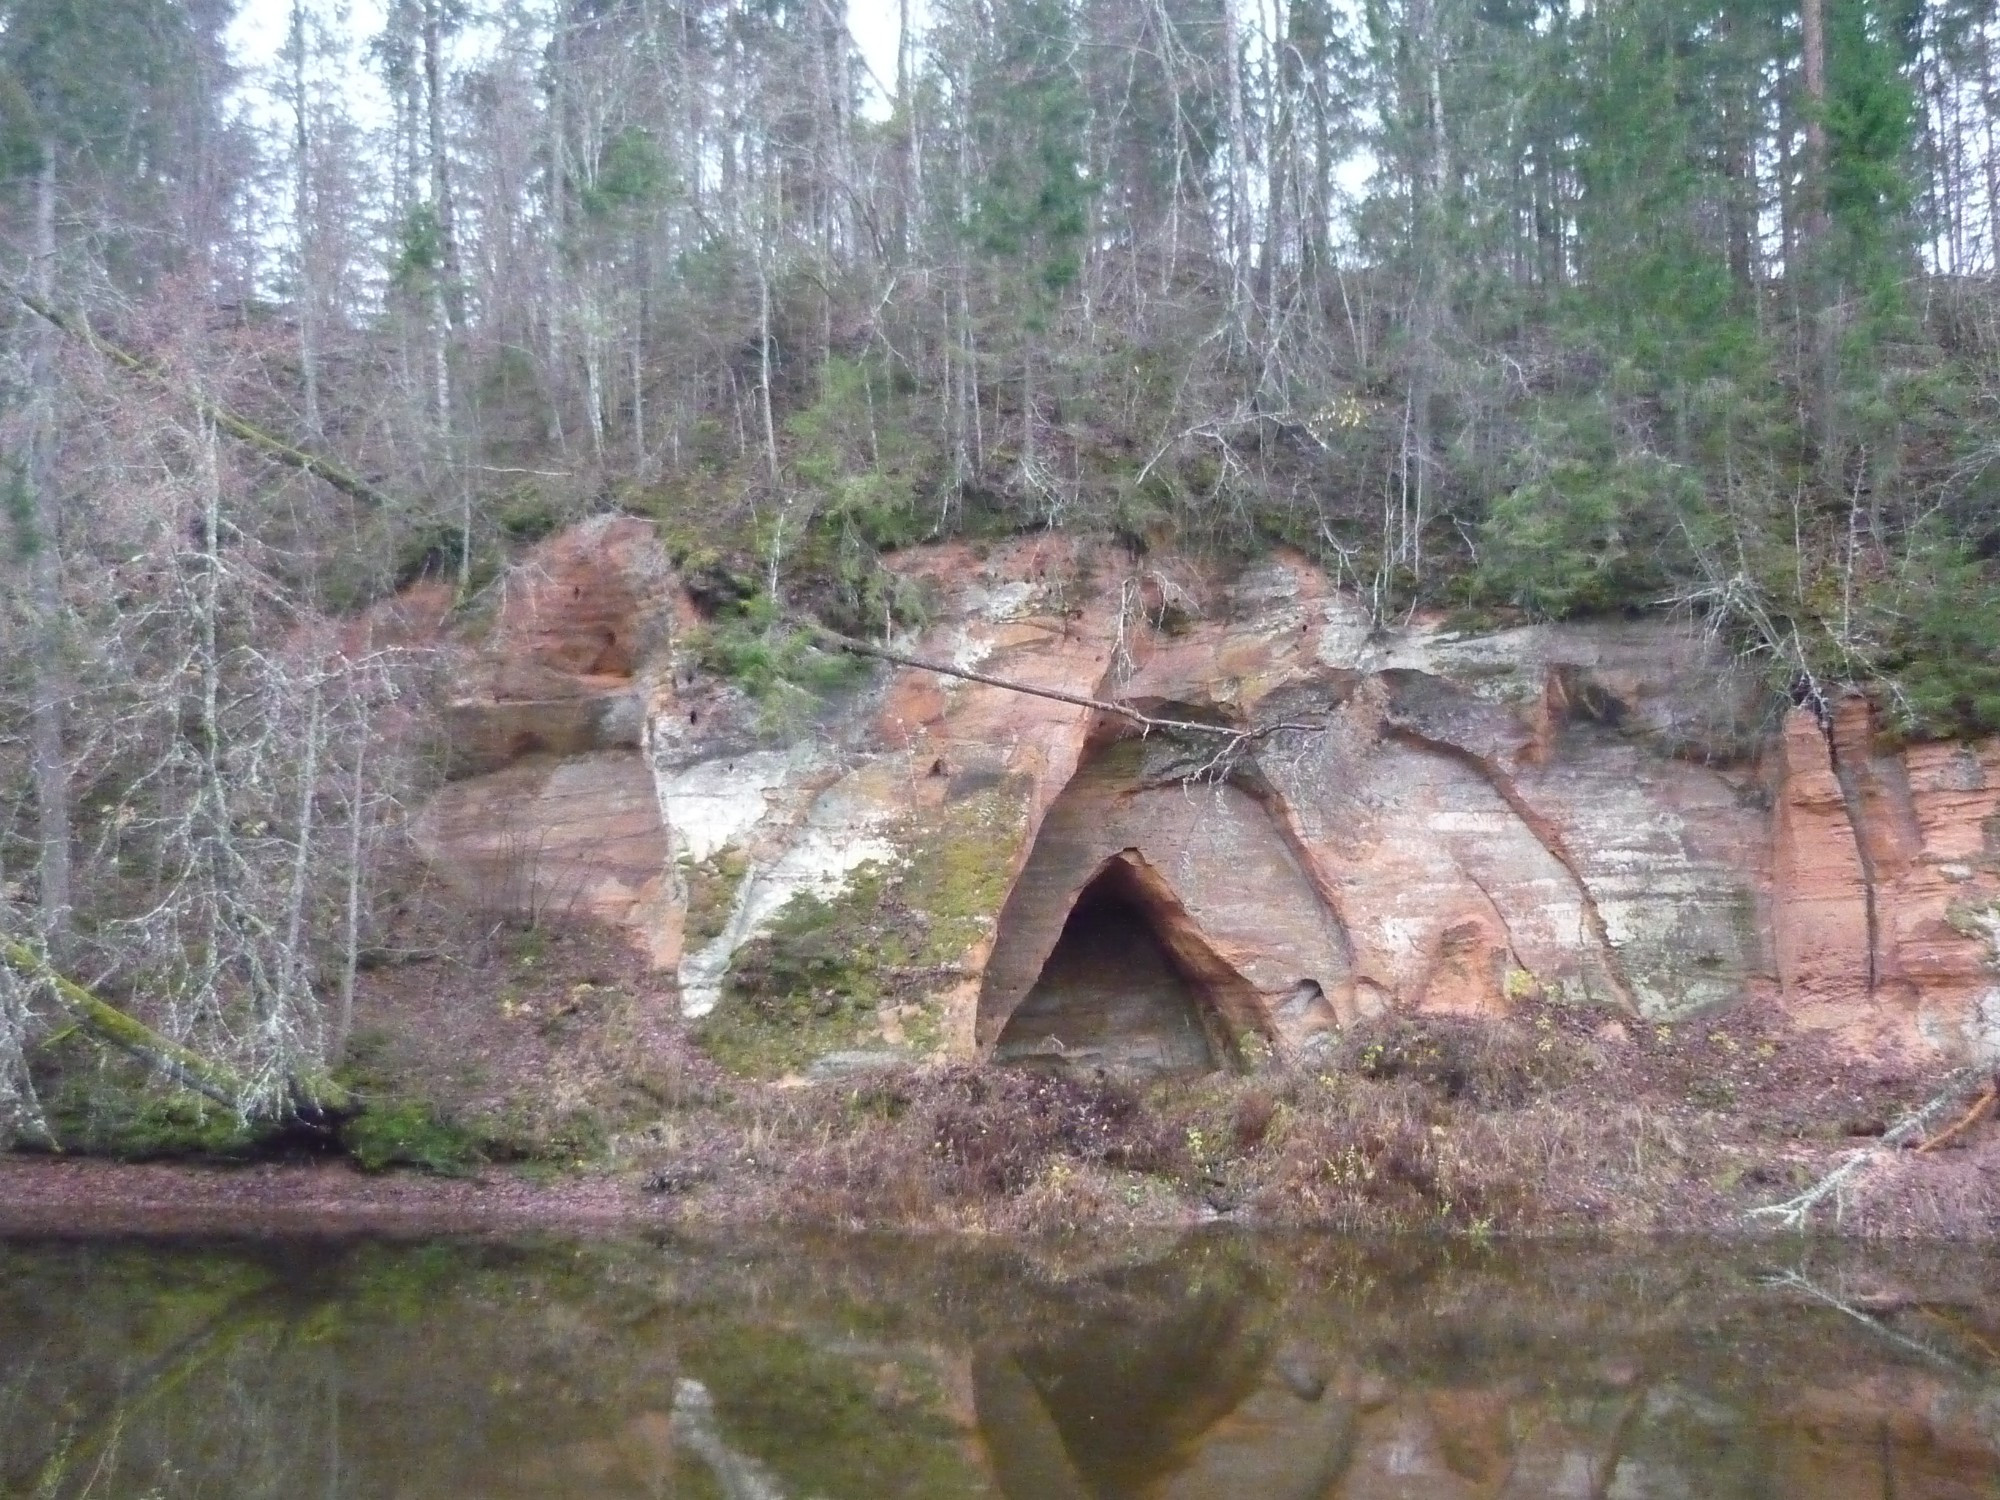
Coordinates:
<point>1575,810</point>
<point>578,837</point>
<point>556,674</point>
<point>1878,863</point>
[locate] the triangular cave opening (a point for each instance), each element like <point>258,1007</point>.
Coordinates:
<point>1115,992</point>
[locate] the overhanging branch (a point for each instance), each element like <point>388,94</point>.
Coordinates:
<point>1147,722</point>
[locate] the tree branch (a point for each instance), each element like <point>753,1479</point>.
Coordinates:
<point>1965,1121</point>
<point>1145,721</point>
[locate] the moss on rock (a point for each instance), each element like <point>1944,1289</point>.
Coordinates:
<point>874,962</point>
<point>712,884</point>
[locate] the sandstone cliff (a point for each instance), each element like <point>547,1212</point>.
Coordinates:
<point>1610,814</point>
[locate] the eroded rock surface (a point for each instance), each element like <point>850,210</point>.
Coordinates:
<point>1605,813</point>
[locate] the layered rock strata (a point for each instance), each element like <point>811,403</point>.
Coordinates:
<point>1349,817</point>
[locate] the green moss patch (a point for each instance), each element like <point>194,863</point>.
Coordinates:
<point>137,1125</point>
<point>712,885</point>
<point>410,1133</point>
<point>102,1103</point>
<point>820,979</point>
<point>809,986</point>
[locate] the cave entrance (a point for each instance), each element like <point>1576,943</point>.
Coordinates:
<point>1113,993</point>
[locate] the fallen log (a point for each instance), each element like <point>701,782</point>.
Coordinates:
<point>242,429</point>
<point>114,1027</point>
<point>1794,1211</point>
<point>310,1099</point>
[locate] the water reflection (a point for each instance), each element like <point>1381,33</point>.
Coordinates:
<point>1123,1400</point>
<point>782,1370</point>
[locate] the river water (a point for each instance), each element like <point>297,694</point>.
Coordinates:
<point>798,1366</point>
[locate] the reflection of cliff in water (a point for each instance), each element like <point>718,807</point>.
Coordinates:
<point>1171,1383</point>
<point>792,1367</point>
<point>1121,1400</point>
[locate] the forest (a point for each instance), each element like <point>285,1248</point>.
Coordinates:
<point>1510,309</point>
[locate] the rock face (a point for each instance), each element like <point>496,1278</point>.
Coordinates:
<point>552,810</point>
<point>1886,883</point>
<point>548,837</point>
<point>558,673</point>
<point>1319,819</point>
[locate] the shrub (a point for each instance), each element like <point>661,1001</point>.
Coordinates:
<point>1484,1063</point>
<point>998,1131</point>
<point>409,1133</point>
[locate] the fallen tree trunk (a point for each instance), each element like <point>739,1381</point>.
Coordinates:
<point>1793,1212</point>
<point>238,427</point>
<point>112,1026</point>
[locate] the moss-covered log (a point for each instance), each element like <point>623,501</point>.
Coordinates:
<point>112,1026</point>
<point>243,430</point>
<point>308,1097</point>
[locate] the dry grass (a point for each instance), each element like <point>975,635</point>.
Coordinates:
<point>1538,1125</point>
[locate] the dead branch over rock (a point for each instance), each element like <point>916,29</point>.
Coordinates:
<point>1146,722</point>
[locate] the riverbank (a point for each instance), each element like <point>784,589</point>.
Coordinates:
<point>1551,1124</point>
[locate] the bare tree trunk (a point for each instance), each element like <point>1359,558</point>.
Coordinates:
<point>1434,174</point>
<point>441,359</point>
<point>593,372</point>
<point>448,287</point>
<point>50,764</point>
<point>1812,24</point>
<point>302,224</point>
<point>1239,182</point>
<point>1280,158</point>
<point>1825,297</point>
<point>290,986</point>
<point>1028,412</point>
<point>764,366</point>
<point>640,465</point>
<point>558,211</point>
<point>910,211</point>
<point>350,948</point>
<point>452,270</point>
<point>219,840</point>
<point>1992,162</point>
<point>1740,169</point>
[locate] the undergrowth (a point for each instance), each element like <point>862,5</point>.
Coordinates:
<point>1553,1119</point>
